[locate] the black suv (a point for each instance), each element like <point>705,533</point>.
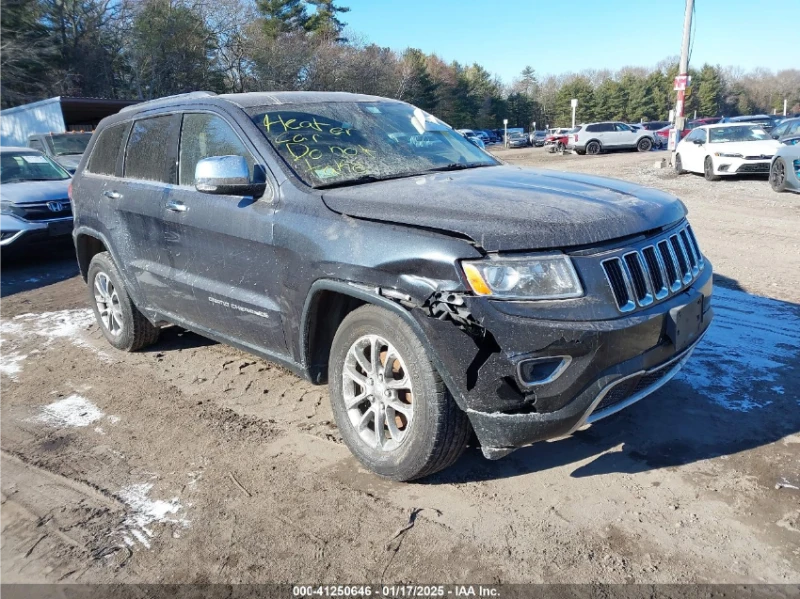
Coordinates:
<point>361,242</point>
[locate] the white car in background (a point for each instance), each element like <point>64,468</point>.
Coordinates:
<point>726,149</point>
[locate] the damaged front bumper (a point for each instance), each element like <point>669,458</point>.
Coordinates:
<point>598,367</point>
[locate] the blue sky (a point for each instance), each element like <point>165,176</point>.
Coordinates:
<point>553,36</point>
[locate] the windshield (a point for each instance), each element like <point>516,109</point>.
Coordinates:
<point>69,143</point>
<point>737,133</point>
<point>340,143</point>
<point>16,167</point>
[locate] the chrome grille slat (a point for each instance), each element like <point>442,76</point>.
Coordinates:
<point>640,277</point>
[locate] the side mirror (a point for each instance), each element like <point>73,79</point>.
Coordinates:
<point>228,175</point>
<point>698,142</point>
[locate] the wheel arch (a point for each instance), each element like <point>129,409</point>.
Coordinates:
<point>90,242</point>
<point>327,304</point>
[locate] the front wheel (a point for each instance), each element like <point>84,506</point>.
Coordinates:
<point>392,408</point>
<point>777,175</point>
<point>645,145</point>
<point>708,170</point>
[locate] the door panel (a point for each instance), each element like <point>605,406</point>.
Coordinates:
<point>149,173</point>
<point>220,246</point>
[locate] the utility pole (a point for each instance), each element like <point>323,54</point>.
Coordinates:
<point>683,75</point>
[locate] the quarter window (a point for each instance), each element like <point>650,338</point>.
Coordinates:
<point>105,153</point>
<point>36,145</point>
<point>149,150</point>
<point>205,136</point>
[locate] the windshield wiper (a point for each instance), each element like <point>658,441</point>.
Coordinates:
<point>457,166</point>
<point>366,179</point>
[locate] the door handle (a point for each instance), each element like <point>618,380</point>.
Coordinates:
<point>177,206</point>
<point>112,195</point>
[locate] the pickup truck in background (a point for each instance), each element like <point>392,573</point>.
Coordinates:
<point>58,127</point>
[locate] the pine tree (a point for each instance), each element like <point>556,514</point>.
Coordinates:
<point>580,88</point>
<point>324,20</point>
<point>420,90</point>
<point>282,16</point>
<point>709,91</point>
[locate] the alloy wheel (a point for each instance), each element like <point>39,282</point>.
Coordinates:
<point>108,306</point>
<point>378,393</point>
<point>778,175</point>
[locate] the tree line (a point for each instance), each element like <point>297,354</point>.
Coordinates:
<point>143,49</point>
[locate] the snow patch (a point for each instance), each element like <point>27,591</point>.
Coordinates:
<point>750,343</point>
<point>70,411</point>
<point>146,511</point>
<point>11,364</point>
<point>64,324</point>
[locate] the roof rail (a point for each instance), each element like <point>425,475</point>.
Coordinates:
<point>167,99</point>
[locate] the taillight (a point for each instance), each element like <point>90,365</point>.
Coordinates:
<point>576,137</point>
<point>69,191</point>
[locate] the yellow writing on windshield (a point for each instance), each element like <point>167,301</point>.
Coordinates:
<point>322,149</point>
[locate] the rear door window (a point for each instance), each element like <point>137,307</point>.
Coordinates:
<point>105,153</point>
<point>151,149</point>
<point>204,136</point>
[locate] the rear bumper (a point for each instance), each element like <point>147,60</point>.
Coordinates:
<point>607,365</point>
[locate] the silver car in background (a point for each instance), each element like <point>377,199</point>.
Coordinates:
<point>34,199</point>
<point>784,171</point>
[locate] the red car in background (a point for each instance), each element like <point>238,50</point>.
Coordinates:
<point>664,132</point>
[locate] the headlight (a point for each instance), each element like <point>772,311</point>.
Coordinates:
<point>6,207</point>
<point>530,278</point>
<point>724,155</point>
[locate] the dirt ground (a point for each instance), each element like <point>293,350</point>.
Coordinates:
<point>194,462</point>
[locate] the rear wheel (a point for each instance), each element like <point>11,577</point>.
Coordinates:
<point>120,321</point>
<point>392,408</point>
<point>679,165</point>
<point>593,148</point>
<point>708,170</point>
<point>645,144</point>
<point>777,175</point>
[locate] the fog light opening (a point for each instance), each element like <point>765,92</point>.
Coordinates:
<point>540,371</point>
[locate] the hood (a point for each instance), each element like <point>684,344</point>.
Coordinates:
<point>512,208</point>
<point>27,192</point>
<point>69,161</point>
<point>767,147</point>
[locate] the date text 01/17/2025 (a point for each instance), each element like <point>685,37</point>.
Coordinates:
<point>394,591</point>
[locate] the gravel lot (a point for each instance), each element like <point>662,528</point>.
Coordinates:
<point>194,462</point>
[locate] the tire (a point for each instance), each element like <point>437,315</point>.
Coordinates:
<point>580,152</point>
<point>560,148</point>
<point>679,165</point>
<point>434,432</point>
<point>120,321</point>
<point>708,170</point>
<point>777,175</point>
<point>645,144</point>
<point>593,148</point>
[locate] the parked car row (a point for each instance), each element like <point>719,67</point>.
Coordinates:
<point>743,147</point>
